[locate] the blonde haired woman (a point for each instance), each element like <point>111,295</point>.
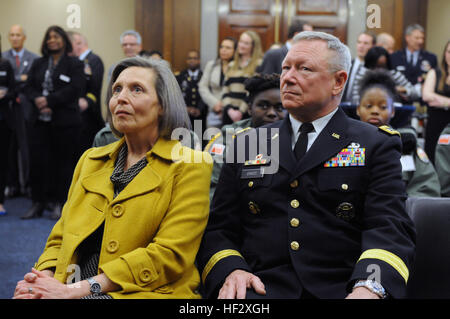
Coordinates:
<point>247,58</point>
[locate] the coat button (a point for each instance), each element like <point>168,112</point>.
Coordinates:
<point>294,184</point>
<point>250,184</point>
<point>344,187</point>
<point>112,246</point>
<point>295,203</point>
<point>295,245</point>
<point>145,275</point>
<point>295,222</point>
<point>253,207</point>
<point>118,210</point>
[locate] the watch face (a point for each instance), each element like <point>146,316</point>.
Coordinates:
<point>96,288</point>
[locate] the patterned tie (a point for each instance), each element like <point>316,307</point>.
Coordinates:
<point>302,141</point>
<point>17,61</point>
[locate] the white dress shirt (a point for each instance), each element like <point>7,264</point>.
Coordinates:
<point>318,124</point>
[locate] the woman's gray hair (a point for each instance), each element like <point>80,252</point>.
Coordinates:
<point>342,59</point>
<point>167,89</point>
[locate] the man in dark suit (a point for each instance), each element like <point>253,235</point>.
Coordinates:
<point>274,58</point>
<point>89,103</point>
<point>21,60</point>
<point>413,61</point>
<point>320,210</point>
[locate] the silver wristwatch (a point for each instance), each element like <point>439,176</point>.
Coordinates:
<point>96,288</point>
<point>373,286</point>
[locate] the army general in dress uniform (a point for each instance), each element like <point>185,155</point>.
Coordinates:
<point>331,221</point>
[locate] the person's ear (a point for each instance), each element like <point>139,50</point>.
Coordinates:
<point>340,78</point>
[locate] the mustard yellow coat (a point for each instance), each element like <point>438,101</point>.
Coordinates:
<point>152,229</point>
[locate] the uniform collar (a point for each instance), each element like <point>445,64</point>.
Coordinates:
<point>318,124</point>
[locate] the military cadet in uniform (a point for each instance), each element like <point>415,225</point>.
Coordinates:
<point>377,107</point>
<point>264,107</point>
<point>188,80</point>
<point>331,221</point>
<point>442,161</point>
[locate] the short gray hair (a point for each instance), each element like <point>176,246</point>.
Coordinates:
<point>343,57</point>
<point>133,33</point>
<point>167,89</point>
<point>412,27</point>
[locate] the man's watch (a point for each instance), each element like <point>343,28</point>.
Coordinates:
<point>96,288</point>
<point>373,286</point>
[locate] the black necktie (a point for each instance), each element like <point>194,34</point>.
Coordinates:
<point>302,141</point>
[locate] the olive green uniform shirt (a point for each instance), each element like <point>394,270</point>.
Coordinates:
<point>442,161</point>
<point>423,181</point>
<point>217,148</point>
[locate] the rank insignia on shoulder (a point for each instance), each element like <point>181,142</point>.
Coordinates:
<point>444,139</point>
<point>422,155</point>
<point>259,160</point>
<point>389,130</point>
<point>348,157</point>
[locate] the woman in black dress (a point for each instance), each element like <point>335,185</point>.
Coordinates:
<point>54,84</point>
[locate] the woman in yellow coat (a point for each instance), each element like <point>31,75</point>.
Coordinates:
<point>137,208</point>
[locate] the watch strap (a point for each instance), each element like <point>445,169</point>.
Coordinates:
<point>95,287</point>
<point>373,286</point>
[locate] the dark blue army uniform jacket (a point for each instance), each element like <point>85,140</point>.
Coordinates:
<point>414,74</point>
<point>314,226</point>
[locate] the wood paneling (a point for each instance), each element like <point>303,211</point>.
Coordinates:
<point>149,22</point>
<point>170,26</point>
<point>237,16</point>
<point>396,15</point>
<point>329,16</point>
<point>391,19</point>
<point>271,18</point>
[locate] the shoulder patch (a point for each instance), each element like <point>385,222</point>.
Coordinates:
<point>389,130</point>
<point>217,149</point>
<point>444,139</point>
<point>422,155</point>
